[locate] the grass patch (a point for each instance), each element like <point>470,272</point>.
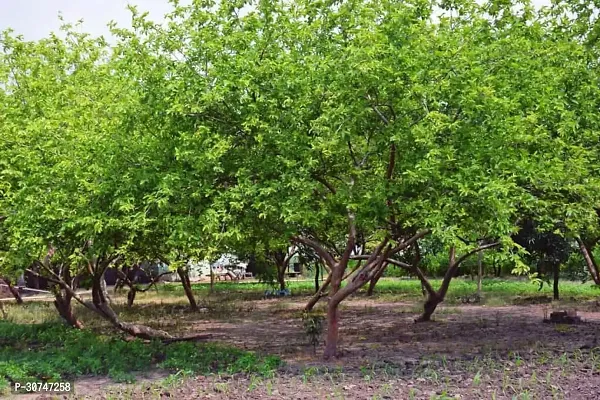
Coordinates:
<point>51,352</point>
<point>409,289</point>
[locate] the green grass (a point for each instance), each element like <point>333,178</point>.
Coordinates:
<point>494,287</point>
<point>52,352</point>
<point>408,288</point>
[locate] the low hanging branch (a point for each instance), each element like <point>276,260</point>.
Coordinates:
<point>100,306</point>
<point>13,290</point>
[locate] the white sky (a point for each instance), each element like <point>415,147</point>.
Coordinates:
<point>37,18</point>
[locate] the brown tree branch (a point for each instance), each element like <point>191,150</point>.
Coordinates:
<point>413,239</point>
<point>325,183</point>
<point>318,248</point>
<point>476,250</point>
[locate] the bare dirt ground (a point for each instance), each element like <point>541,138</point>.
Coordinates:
<point>468,352</point>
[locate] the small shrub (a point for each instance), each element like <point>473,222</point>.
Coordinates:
<point>313,327</point>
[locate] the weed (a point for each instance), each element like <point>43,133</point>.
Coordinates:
<point>477,378</point>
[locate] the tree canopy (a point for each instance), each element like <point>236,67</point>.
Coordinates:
<point>329,124</point>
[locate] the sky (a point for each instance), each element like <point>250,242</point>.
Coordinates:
<point>35,19</point>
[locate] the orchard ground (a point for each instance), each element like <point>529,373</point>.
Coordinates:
<point>499,349</point>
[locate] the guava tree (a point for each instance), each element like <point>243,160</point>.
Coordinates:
<point>578,22</point>
<point>376,119</point>
<point>74,207</point>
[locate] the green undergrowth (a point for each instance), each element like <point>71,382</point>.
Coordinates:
<point>52,352</point>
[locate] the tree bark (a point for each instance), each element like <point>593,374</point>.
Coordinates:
<point>317,269</point>
<point>479,272</point>
<point>333,319</point>
<point>281,276</point>
<point>590,261</point>
<point>187,287</point>
<point>374,280</point>
<point>317,296</point>
<point>333,313</point>
<point>131,296</point>
<point>358,279</point>
<point>556,270</point>
<point>62,302</point>
<point>100,306</point>
<point>429,307</point>
<point>104,290</point>
<point>13,290</point>
<point>434,298</point>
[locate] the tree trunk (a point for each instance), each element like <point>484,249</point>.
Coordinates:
<point>13,290</point>
<point>101,306</point>
<point>104,290</point>
<point>333,319</point>
<point>131,296</point>
<point>187,287</point>
<point>281,276</point>
<point>556,270</point>
<point>589,261</point>
<point>435,298</point>
<point>317,269</point>
<point>374,280</point>
<point>429,308</point>
<point>317,296</point>
<point>212,281</point>
<point>479,272</point>
<point>333,313</point>
<point>62,302</point>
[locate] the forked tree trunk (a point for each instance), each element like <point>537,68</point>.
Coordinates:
<point>187,287</point>
<point>282,261</point>
<point>434,298</point>
<point>358,279</point>
<point>590,261</point>
<point>62,302</point>
<point>13,290</point>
